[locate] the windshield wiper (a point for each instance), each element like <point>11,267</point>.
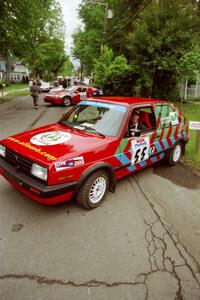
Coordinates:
<point>92,130</point>
<point>66,124</point>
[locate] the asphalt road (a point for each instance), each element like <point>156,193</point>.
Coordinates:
<point>142,243</point>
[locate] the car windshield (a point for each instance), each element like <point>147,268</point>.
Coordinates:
<point>71,88</point>
<point>45,84</point>
<point>96,117</point>
<point>57,89</point>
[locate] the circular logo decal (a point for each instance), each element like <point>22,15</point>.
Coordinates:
<point>50,138</point>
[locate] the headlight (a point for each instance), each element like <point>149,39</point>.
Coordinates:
<point>2,150</point>
<point>39,171</point>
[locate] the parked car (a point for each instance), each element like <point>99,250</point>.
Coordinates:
<point>45,87</point>
<point>90,148</point>
<point>69,96</point>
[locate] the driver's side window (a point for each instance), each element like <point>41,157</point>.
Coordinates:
<point>142,120</point>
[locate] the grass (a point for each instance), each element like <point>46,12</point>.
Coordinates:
<point>192,113</point>
<point>14,90</point>
<point>18,93</point>
<point>16,86</point>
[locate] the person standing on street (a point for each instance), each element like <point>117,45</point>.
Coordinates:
<point>35,90</point>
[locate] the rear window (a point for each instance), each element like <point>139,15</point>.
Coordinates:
<point>167,115</point>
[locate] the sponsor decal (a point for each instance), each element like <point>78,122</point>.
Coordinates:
<point>140,150</point>
<point>74,162</point>
<point>173,118</point>
<point>29,146</point>
<point>50,138</point>
<point>83,96</point>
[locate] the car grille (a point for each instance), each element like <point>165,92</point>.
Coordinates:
<point>19,162</point>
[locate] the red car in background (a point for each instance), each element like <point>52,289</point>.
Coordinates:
<point>69,96</point>
<point>45,87</point>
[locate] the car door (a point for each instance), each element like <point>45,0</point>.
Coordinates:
<point>137,152</point>
<point>83,94</point>
<point>166,123</point>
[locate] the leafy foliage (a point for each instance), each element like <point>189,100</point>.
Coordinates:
<point>30,27</point>
<point>189,64</point>
<point>160,38</point>
<point>152,35</point>
<point>113,73</point>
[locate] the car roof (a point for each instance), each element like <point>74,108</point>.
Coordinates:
<point>124,100</point>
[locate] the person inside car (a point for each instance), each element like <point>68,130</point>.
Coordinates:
<point>134,125</point>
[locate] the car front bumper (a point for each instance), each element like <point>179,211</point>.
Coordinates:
<point>53,100</point>
<point>40,192</point>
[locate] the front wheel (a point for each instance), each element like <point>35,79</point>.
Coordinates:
<point>93,190</point>
<point>174,155</point>
<point>66,101</point>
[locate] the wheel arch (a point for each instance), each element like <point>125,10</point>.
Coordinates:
<point>183,144</point>
<point>100,166</point>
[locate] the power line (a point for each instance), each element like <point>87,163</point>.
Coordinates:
<point>131,19</point>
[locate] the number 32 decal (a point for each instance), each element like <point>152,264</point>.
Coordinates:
<point>140,150</point>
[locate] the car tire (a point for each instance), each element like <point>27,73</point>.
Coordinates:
<point>66,101</point>
<point>174,155</point>
<point>92,192</point>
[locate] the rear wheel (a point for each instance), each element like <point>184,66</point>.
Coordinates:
<point>93,190</point>
<point>174,155</point>
<point>66,101</point>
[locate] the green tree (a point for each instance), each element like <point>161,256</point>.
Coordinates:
<point>112,73</point>
<point>67,68</point>
<point>50,57</point>
<point>152,35</point>
<point>162,35</point>
<point>25,25</point>
<point>189,65</point>
<point>89,41</point>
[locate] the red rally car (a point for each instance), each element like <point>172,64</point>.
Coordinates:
<point>69,96</point>
<point>91,147</point>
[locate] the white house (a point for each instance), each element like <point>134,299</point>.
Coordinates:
<point>2,67</point>
<point>17,70</point>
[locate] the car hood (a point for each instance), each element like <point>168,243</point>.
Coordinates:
<point>63,92</point>
<point>54,142</point>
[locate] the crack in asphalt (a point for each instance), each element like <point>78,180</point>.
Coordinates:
<point>155,243</point>
<point>48,281</point>
<point>155,240</point>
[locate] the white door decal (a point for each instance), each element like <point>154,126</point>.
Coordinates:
<point>140,150</point>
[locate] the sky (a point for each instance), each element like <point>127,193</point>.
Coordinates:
<point>69,10</point>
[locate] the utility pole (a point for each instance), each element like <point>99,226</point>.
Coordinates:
<point>107,15</point>
<point>105,26</point>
